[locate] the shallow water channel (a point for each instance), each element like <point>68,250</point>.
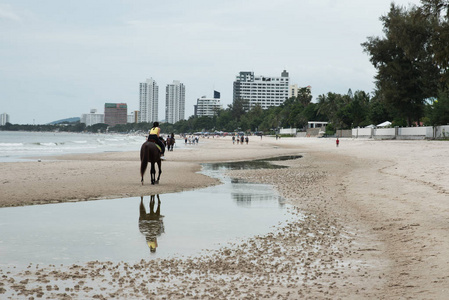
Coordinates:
<point>127,229</point>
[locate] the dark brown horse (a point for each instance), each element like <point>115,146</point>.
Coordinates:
<point>150,153</point>
<point>170,142</point>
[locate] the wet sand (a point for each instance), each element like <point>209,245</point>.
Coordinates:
<point>376,223</point>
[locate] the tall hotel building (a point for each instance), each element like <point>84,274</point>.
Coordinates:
<point>175,102</point>
<point>115,113</point>
<point>149,100</point>
<point>265,91</point>
<point>208,107</point>
<point>4,118</point>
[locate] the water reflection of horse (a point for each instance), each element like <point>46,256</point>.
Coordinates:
<point>151,224</point>
<point>170,142</point>
<point>149,152</point>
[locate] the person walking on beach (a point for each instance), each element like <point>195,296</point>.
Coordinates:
<point>153,135</point>
<point>337,142</point>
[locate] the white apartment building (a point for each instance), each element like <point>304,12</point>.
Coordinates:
<point>92,118</point>
<point>175,102</point>
<point>265,91</point>
<point>149,101</point>
<point>4,118</point>
<point>133,117</point>
<point>293,91</point>
<point>207,107</point>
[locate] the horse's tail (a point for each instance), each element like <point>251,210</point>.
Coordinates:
<point>144,157</point>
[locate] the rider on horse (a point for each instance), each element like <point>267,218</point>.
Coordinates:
<point>153,135</point>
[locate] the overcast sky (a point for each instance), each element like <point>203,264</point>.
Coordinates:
<point>59,59</point>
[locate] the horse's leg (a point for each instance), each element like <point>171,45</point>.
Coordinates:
<point>153,173</point>
<point>144,156</point>
<point>159,169</point>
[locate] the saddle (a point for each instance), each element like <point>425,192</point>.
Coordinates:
<point>154,142</point>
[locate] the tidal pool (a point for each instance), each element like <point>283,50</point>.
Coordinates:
<point>127,229</point>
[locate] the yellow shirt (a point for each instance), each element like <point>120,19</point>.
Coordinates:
<point>155,130</point>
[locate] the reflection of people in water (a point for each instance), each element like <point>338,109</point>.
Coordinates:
<point>150,224</point>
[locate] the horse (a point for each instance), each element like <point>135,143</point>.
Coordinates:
<point>151,224</point>
<point>149,152</point>
<point>170,142</point>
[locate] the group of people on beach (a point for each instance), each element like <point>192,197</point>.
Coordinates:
<point>240,139</point>
<point>191,140</point>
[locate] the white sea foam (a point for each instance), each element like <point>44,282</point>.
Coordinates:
<point>16,145</point>
<point>11,144</point>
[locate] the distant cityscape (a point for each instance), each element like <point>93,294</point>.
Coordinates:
<point>257,90</point>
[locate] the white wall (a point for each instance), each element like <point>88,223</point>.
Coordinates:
<point>288,131</point>
<point>403,133</point>
<point>362,132</point>
<point>442,131</point>
<point>385,131</point>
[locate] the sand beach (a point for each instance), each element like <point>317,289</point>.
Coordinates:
<point>376,223</point>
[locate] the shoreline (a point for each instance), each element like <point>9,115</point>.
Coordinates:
<point>81,177</point>
<point>375,227</point>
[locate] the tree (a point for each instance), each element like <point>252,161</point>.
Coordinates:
<point>378,111</point>
<point>238,108</point>
<point>304,96</point>
<point>406,73</point>
<point>436,12</point>
<point>253,118</point>
<point>330,105</point>
<point>438,111</point>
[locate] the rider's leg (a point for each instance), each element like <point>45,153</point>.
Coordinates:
<point>161,144</point>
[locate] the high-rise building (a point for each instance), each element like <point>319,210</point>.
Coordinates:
<point>265,91</point>
<point>149,101</point>
<point>115,113</point>
<point>175,102</point>
<point>92,118</point>
<point>4,118</point>
<point>133,117</point>
<point>208,107</point>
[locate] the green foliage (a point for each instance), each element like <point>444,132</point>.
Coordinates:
<point>438,111</point>
<point>436,13</point>
<point>407,74</point>
<point>330,129</point>
<point>378,111</point>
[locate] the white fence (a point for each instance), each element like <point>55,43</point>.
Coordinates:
<point>402,133</point>
<point>442,132</point>
<point>291,131</point>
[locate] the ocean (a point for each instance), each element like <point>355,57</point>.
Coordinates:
<point>20,146</point>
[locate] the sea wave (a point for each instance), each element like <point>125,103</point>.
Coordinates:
<point>11,144</point>
<point>17,145</point>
